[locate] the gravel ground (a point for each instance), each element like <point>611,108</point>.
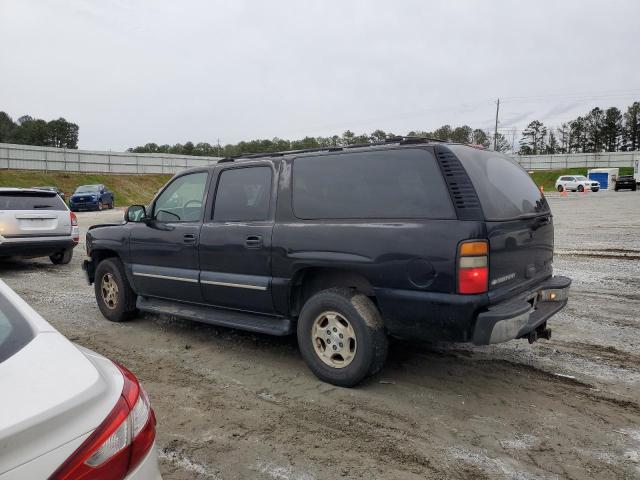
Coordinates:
<point>238,405</point>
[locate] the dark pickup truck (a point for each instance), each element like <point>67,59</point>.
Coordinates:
<point>412,238</point>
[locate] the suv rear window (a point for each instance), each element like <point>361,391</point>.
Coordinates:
<point>401,183</point>
<point>505,189</point>
<point>15,332</point>
<point>31,201</point>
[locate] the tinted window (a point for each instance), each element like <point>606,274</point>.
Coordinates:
<point>504,188</point>
<point>15,332</point>
<point>404,183</point>
<point>181,201</point>
<point>244,194</point>
<point>31,201</point>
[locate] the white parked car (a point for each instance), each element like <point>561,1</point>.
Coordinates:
<point>576,183</point>
<point>65,411</point>
<point>36,223</point>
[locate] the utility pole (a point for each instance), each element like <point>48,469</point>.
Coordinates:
<point>495,133</point>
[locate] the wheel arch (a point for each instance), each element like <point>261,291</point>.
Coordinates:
<point>310,280</point>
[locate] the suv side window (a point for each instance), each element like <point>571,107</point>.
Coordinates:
<point>243,195</point>
<point>181,201</point>
<point>402,183</point>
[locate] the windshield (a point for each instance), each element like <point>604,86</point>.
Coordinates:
<point>88,189</point>
<point>504,188</point>
<point>15,332</point>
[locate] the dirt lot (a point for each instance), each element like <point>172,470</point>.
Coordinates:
<point>237,405</point>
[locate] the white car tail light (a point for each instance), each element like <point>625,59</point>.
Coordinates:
<point>119,443</point>
<point>75,231</point>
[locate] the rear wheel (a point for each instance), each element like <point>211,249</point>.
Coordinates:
<point>560,188</point>
<point>342,337</point>
<point>62,258</point>
<point>581,188</point>
<point>116,299</point>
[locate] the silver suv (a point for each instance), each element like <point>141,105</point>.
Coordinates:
<point>36,223</point>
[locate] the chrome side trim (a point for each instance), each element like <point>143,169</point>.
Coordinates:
<point>236,285</point>
<point>165,277</point>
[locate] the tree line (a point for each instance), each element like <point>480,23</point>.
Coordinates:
<point>463,134</point>
<point>599,130</point>
<point>35,131</point>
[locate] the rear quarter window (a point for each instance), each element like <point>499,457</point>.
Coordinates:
<point>15,332</point>
<point>401,183</point>
<point>31,201</point>
<point>505,189</point>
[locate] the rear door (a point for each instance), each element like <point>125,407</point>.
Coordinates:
<point>30,213</point>
<point>519,223</point>
<point>235,242</point>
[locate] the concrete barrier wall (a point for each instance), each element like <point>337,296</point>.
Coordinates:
<point>572,160</point>
<point>27,157</point>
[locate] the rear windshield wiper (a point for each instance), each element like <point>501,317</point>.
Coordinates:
<point>42,206</point>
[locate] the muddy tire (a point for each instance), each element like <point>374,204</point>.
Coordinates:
<point>62,258</point>
<point>560,188</point>
<point>115,297</point>
<point>342,337</point>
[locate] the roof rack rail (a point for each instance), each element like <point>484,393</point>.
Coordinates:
<point>402,140</point>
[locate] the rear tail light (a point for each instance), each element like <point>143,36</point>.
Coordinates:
<point>75,231</point>
<point>118,445</point>
<point>473,267</point>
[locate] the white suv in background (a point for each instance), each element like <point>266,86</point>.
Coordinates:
<point>36,223</point>
<point>576,183</point>
<point>66,412</point>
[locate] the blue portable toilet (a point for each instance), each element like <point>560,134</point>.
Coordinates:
<point>605,176</point>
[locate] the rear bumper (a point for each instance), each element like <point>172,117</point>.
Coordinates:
<point>33,247</point>
<point>517,317</point>
<point>430,316</point>
<point>148,468</point>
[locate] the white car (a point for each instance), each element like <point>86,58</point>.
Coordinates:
<point>36,223</point>
<point>65,411</point>
<point>576,183</point>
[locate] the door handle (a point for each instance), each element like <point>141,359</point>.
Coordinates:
<point>253,241</point>
<point>189,238</point>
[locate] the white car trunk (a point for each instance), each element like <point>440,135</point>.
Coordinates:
<point>52,393</point>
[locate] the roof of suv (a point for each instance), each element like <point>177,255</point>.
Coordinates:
<point>395,141</point>
<point>38,191</point>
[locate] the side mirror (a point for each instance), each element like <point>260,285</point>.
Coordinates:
<point>135,213</point>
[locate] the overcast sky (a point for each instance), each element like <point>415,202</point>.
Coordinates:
<point>170,71</point>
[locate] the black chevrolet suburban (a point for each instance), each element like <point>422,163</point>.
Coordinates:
<point>412,238</point>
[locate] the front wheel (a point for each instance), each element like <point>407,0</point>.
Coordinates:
<point>100,206</point>
<point>62,258</point>
<point>341,336</point>
<point>580,188</point>
<point>560,188</point>
<point>115,297</point>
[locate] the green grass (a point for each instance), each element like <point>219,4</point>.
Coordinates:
<point>547,178</point>
<point>128,189</point>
